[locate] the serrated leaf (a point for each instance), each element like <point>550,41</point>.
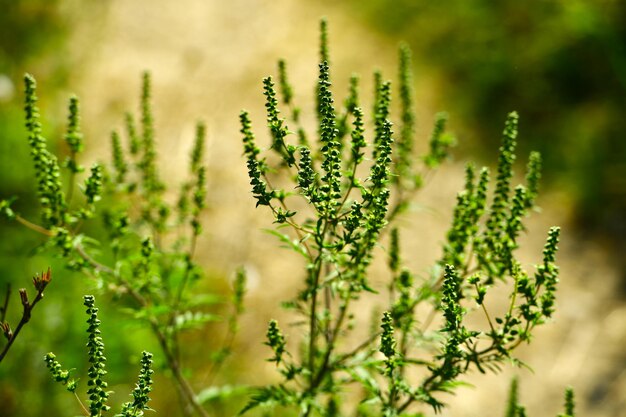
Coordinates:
<point>370,384</point>
<point>294,244</point>
<point>270,396</point>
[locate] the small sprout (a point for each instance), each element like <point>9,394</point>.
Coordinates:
<point>6,329</point>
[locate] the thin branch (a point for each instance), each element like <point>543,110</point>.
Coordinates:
<point>40,283</point>
<point>33,226</point>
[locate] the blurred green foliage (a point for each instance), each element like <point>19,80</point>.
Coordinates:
<point>31,35</point>
<point>561,64</point>
<point>31,38</point>
<point>34,36</point>
<point>27,31</point>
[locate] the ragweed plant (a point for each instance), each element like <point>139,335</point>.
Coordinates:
<point>97,394</point>
<point>149,255</point>
<point>341,193</point>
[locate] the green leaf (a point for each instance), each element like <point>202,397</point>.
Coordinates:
<point>270,397</point>
<point>294,244</point>
<point>369,383</point>
<point>202,300</point>
<point>191,320</point>
<point>219,393</point>
<point>5,208</point>
<point>148,311</point>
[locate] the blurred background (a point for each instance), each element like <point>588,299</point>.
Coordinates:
<point>560,64</point>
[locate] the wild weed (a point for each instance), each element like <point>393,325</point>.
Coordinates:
<point>408,360</point>
<point>150,262</point>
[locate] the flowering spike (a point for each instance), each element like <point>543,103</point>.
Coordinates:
<point>49,187</point>
<point>133,139</point>
<point>285,88</point>
<point>150,177</point>
<point>407,126</point>
<point>119,163</point>
<point>381,114</point>
<point>276,341</point>
<point>60,375</point>
<point>505,172</point>
<point>93,184</point>
<point>440,142</point>
<point>330,191</point>
<point>277,128</point>
<point>324,56</point>
<point>197,152</point>
<point>142,390</point>
<point>74,137</point>
<point>199,201</point>
<point>255,167</point>
<point>533,175</point>
<point>569,403</point>
<point>97,392</point>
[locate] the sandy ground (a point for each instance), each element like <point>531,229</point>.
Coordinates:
<point>208,58</point>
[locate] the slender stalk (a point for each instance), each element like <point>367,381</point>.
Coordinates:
<point>32,226</point>
<point>70,182</point>
<point>82,405</point>
<point>184,386</point>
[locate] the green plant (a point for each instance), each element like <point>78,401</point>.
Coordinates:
<point>336,220</point>
<point>97,392</point>
<point>335,198</point>
<point>146,257</point>
<point>40,282</point>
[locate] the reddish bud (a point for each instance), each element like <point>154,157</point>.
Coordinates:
<point>6,329</point>
<point>40,282</point>
<point>24,297</point>
<point>26,304</point>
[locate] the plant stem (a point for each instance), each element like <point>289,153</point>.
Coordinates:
<point>33,226</point>
<point>28,308</point>
<point>85,411</point>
